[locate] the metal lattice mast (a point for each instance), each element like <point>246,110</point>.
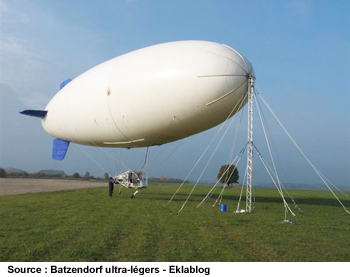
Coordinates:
<point>250,144</point>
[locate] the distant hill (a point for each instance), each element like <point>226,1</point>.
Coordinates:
<point>165,180</point>
<point>51,172</point>
<point>303,186</point>
<point>15,170</point>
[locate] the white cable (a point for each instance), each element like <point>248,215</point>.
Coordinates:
<point>206,197</point>
<point>91,158</point>
<point>333,185</point>
<point>238,155</point>
<point>243,185</point>
<point>200,176</point>
<point>182,142</point>
<point>235,137</point>
<point>222,194</point>
<point>263,122</point>
<point>154,157</point>
<point>103,150</point>
<point>280,192</point>
<point>242,98</point>
<point>273,180</point>
<point>231,154</point>
<point>270,152</point>
<point>297,146</point>
<point>212,155</point>
<point>295,204</point>
<point>222,191</point>
<point>268,146</point>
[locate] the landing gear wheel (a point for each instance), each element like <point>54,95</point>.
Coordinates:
<point>134,195</point>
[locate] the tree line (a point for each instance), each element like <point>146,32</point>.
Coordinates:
<point>228,174</point>
<point>42,174</point>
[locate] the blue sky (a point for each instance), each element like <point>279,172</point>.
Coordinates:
<point>299,50</point>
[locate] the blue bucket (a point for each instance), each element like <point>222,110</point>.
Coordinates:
<point>223,208</point>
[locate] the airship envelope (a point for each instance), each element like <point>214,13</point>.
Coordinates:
<point>151,96</point>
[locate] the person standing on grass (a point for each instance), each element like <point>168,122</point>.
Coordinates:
<point>111,186</point>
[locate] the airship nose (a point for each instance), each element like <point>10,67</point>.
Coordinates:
<point>241,62</point>
<point>228,76</point>
<point>252,73</point>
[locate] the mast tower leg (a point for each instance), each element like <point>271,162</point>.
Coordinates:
<point>249,194</point>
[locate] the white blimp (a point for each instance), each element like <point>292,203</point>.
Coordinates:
<point>152,96</point>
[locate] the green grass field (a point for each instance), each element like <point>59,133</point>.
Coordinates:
<point>87,225</point>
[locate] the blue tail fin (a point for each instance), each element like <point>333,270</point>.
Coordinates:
<point>35,113</point>
<point>59,149</point>
<point>65,83</point>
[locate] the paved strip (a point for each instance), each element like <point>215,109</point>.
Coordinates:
<point>10,186</point>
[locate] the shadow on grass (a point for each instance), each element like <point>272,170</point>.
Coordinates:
<point>258,199</point>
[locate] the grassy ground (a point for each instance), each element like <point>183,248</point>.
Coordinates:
<point>87,225</point>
